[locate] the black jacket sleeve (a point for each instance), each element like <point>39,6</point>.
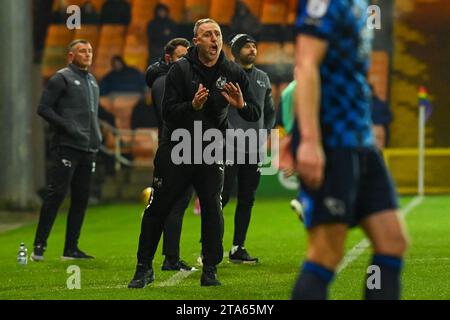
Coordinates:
<point>269,109</point>
<point>251,112</point>
<point>46,109</point>
<point>174,105</point>
<point>158,95</point>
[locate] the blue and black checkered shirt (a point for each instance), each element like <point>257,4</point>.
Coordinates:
<point>345,101</point>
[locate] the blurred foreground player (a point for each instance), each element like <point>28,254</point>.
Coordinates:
<point>343,176</point>
<point>199,90</point>
<point>70,105</point>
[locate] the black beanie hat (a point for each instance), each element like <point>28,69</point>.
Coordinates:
<point>238,42</point>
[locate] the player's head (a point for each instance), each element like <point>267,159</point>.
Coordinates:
<point>175,49</point>
<point>80,53</point>
<point>243,48</point>
<point>208,39</point>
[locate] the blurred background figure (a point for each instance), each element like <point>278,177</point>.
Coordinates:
<point>122,78</point>
<point>89,14</point>
<point>244,21</point>
<point>160,31</point>
<point>116,12</point>
<point>59,14</point>
<point>144,114</point>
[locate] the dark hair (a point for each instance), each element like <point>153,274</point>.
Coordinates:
<point>161,6</point>
<point>118,58</point>
<point>75,42</point>
<point>174,43</point>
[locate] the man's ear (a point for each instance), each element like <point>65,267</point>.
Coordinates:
<point>167,58</point>
<point>194,41</point>
<point>70,56</point>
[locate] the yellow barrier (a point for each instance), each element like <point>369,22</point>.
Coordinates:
<point>403,163</point>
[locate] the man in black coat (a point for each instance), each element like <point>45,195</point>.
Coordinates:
<point>70,105</point>
<point>199,90</point>
<point>156,75</point>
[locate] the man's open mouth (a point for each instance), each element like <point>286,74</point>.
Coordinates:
<point>213,50</point>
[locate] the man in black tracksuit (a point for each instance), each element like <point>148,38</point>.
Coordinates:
<point>156,80</point>
<point>199,88</point>
<point>70,105</point>
<point>243,48</point>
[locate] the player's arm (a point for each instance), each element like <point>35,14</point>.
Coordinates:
<point>47,105</point>
<point>310,51</point>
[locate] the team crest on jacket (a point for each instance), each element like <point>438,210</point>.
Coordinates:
<point>220,83</point>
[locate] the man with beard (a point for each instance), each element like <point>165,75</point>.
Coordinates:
<point>244,50</point>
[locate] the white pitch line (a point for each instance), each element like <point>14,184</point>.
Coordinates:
<point>179,276</point>
<point>176,278</point>
<point>359,248</point>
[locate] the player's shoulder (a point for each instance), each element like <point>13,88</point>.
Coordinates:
<point>319,18</point>
<point>289,89</point>
<point>322,8</point>
<point>320,13</point>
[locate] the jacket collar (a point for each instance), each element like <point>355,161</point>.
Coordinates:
<point>192,56</point>
<point>77,70</point>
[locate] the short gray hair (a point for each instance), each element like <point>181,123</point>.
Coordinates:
<point>203,21</point>
<point>75,42</point>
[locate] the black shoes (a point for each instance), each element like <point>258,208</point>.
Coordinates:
<point>38,253</point>
<point>69,254</point>
<point>143,276</point>
<point>209,277</point>
<point>241,256</point>
<point>180,265</point>
<point>75,254</point>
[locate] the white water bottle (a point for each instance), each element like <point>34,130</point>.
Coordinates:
<point>22,256</point>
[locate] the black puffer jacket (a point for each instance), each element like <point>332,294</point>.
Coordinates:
<point>70,105</point>
<point>155,76</point>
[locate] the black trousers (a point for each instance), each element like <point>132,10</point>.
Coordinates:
<point>69,168</point>
<point>174,224</point>
<point>169,183</point>
<point>248,177</point>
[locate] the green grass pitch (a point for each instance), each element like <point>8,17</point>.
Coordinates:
<point>276,236</point>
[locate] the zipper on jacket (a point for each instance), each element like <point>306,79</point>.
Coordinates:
<point>91,106</point>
